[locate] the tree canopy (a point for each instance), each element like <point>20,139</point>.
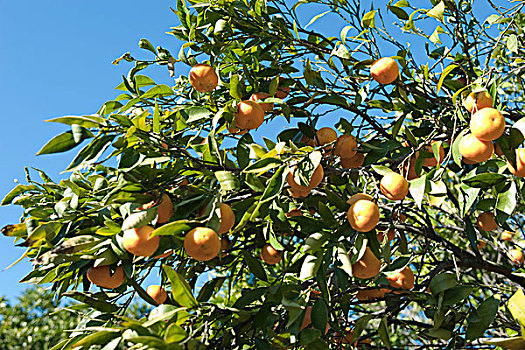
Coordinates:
<point>297,190</point>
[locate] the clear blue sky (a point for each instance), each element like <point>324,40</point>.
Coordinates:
<point>55,60</point>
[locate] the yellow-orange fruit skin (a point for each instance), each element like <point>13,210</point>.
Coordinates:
<point>354,198</point>
<point>317,177</point>
<point>202,244</point>
<point>165,210</point>
<point>353,162</point>
<point>474,149</point>
<point>270,255</point>
<point>345,147</point>
<point>385,70</point>
<point>363,215</point>
<point>487,124</point>
<point>516,256</point>
<point>203,78</point>
<point>138,242</point>
<point>486,222</point>
<point>498,150</point>
<point>307,320</point>
<point>394,186</point>
<point>101,276</point>
<point>370,294</point>
<point>432,161</point>
<point>157,293</point>
<point>481,245</point>
<point>402,280</point>
<point>520,163</point>
<point>325,135</point>
<point>367,267</point>
<point>477,101</point>
<point>506,236</point>
<point>266,107</point>
<point>294,212</point>
<point>409,167</point>
<point>227,218</point>
<point>282,91</point>
<point>299,193</point>
<point>249,115</point>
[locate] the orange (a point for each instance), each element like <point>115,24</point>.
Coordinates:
<point>431,161</point>
<point>353,162</point>
<point>468,161</point>
<point>487,124</point>
<point>474,149</point>
<point>506,236</point>
<point>516,256</point>
<point>203,78</point>
<point>270,255</point>
<point>294,212</point>
<point>348,338</point>
<point>520,163</point>
<point>409,167</point>
<point>267,107</point>
<point>157,293</point>
<point>325,135</point>
<point>359,196</point>
<point>345,146</point>
<point>369,294</point>
<point>368,266</point>
<point>486,222</point>
<point>394,186</point>
<point>236,131</point>
<point>102,277</point>
<point>385,70</point>
<point>299,193</point>
<point>306,140</point>
<point>138,242</point>
<point>227,218</point>
<point>282,91</point>
<point>164,210</point>
<point>363,215</point>
<point>307,319</point>
<point>481,244</point>
<point>249,115</point>
<point>202,244</point>
<point>404,279</point>
<point>390,234</point>
<point>164,255</point>
<point>477,101</point>
<point>317,177</point>
<point>225,243</point>
<point>498,150</point>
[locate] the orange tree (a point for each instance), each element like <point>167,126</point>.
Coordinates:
<point>396,225</point>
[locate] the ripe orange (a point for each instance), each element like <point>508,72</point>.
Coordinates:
<point>307,319</point>
<point>498,150</point>
<point>390,234</point>
<point>202,244</point>
<point>299,193</point>
<point>227,218</point>
<point>404,279</point>
<point>157,293</point>
<point>506,236</point>
<point>409,167</point>
<point>370,294</point>
<point>474,149</point>
<point>236,131</point>
<point>477,101</point>
<point>294,212</point>
<point>520,163</point>
<point>363,215</point>
<point>164,255</point>
<point>325,135</point>
<point>270,255</point>
<point>203,78</point>
<point>394,186</point>
<point>102,277</point>
<point>486,222</point>
<point>267,107</point>
<point>359,196</point>
<point>282,91</point>
<point>487,124</point>
<point>516,256</point>
<point>353,162</point>
<point>367,267</point>
<point>317,177</point>
<point>138,242</point>
<point>385,70</point>
<point>249,115</point>
<point>164,210</point>
<point>481,244</point>
<point>345,146</point>
<point>430,162</point>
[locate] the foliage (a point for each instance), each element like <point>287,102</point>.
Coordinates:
<point>154,139</point>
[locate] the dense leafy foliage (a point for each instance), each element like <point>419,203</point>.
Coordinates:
<point>155,140</point>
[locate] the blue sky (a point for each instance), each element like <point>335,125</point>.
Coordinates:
<point>56,60</point>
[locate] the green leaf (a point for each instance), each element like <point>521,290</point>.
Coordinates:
<point>249,296</point>
<point>263,165</point>
<point>95,302</point>
<point>180,289</point>
<point>327,215</point>
<point>156,117</point>
<point>18,190</point>
<point>175,228</point>
<point>86,121</point>
<point>456,295</point>
<point>368,20</point>
<point>309,267</point>
<point>485,181</point>
<point>309,335</point>
<point>254,265</point>
<point>315,18</point>
<point>506,201</point>
<point>516,306</point>
<point>16,230</point>
<point>438,11</point>
<point>275,185</point>
<point>417,189</point>
<point>196,113</point>
<point>153,342</point>
<point>145,44</point>
<point>234,87</point>
<point>512,43</point>
<point>158,91</point>
<point>514,343</point>
<point>442,282</point>
<point>384,333</point>
<point>227,180</point>
<point>98,338</point>
<point>446,71</point>
<point>63,142</point>
<point>481,318</point>
<point>139,219</point>
<point>175,334</point>
<point>320,315</point>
